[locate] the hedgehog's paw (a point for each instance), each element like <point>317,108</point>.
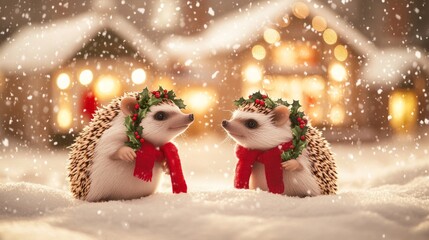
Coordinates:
<point>292,165</point>
<point>125,153</point>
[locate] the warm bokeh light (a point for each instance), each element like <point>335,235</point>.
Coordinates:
<point>64,118</point>
<point>285,55</point>
<point>63,81</point>
<point>337,115</point>
<point>138,76</point>
<point>335,93</point>
<point>258,52</point>
<point>165,82</point>
<point>337,72</point>
<point>246,91</point>
<point>287,87</point>
<point>253,73</point>
<point>85,77</point>
<point>198,100</point>
<point>319,23</point>
<point>315,113</point>
<point>266,84</point>
<point>330,36</point>
<point>305,53</point>
<point>402,110</point>
<point>271,36</point>
<point>314,86</point>
<point>107,87</point>
<point>300,10</point>
<point>340,53</point>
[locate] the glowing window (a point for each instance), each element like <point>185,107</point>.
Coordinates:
<point>63,81</point>
<point>138,76</point>
<point>85,77</point>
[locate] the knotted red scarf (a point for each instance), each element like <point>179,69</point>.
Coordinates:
<point>270,158</point>
<point>145,160</point>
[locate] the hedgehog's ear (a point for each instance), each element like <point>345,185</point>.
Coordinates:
<point>127,105</point>
<point>280,115</point>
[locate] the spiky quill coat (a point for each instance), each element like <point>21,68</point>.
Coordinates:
<point>318,151</point>
<point>82,150</point>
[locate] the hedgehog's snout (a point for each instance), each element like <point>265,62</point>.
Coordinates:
<point>191,117</point>
<point>225,123</point>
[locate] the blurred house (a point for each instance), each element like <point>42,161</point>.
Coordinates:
<point>295,50</point>
<point>398,83</point>
<point>56,75</point>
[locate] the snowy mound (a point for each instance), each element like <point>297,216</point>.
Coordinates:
<point>391,212</point>
<point>27,199</point>
<point>384,194</point>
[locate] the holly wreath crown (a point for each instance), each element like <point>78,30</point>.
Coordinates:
<point>297,118</point>
<point>145,100</point>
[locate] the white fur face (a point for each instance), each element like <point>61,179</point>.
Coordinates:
<point>255,130</point>
<point>164,122</point>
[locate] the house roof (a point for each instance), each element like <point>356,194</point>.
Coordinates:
<point>45,47</point>
<point>390,66</point>
<point>237,31</point>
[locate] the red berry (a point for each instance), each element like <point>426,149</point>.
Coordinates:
<point>153,92</point>
<point>166,95</point>
<point>302,126</point>
<point>137,106</point>
<point>138,136</point>
<point>292,146</point>
<point>264,96</point>
<point>134,119</point>
<point>135,115</point>
<point>250,96</point>
<point>136,133</point>
<point>257,101</point>
<point>157,95</point>
<point>262,103</point>
<point>165,91</point>
<point>302,138</point>
<point>299,119</point>
<point>141,140</point>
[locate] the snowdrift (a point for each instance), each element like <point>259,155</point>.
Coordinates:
<point>384,194</point>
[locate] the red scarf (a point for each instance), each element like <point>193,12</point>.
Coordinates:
<point>145,160</point>
<point>270,158</point>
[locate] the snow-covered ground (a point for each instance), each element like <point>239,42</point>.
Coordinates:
<point>383,194</point>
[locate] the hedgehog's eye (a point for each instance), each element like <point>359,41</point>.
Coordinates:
<point>251,123</point>
<point>160,116</point>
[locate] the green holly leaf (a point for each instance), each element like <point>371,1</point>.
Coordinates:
<point>296,104</point>
<point>179,103</point>
<point>171,94</point>
<point>139,129</point>
<point>142,113</point>
<point>239,102</point>
<point>154,101</point>
<point>131,145</point>
<point>286,155</point>
<point>295,131</point>
<point>128,123</point>
<point>270,103</point>
<point>145,94</point>
<point>257,95</point>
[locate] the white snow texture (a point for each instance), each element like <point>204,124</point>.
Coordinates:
<point>384,194</point>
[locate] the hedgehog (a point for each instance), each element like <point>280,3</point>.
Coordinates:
<point>102,160</point>
<point>278,150</point>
